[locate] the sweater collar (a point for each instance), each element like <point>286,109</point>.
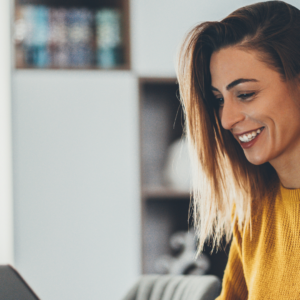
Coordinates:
<point>289,194</point>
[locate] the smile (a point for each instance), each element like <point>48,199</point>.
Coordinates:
<point>249,136</point>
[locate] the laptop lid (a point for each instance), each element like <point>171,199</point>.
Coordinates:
<point>13,286</point>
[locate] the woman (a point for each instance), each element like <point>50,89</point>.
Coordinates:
<point>239,85</point>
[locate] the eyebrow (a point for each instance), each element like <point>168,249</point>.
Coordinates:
<point>234,83</point>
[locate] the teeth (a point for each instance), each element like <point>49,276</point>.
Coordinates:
<point>249,136</point>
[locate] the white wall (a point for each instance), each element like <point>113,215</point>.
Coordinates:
<point>6,206</point>
<point>159,26</point>
<point>76,183</point>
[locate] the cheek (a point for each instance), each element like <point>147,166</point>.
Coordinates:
<point>282,133</point>
<point>286,120</point>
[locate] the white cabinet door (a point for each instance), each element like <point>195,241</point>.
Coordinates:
<point>75,138</point>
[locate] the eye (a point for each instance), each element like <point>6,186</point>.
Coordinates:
<point>245,96</point>
<point>219,100</point>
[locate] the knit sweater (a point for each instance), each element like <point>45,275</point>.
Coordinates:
<point>266,266</point>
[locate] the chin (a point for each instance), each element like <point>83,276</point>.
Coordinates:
<point>256,159</point>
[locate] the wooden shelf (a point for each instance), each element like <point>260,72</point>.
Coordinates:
<point>92,68</point>
<point>164,193</point>
<point>73,3</point>
<point>122,51</point>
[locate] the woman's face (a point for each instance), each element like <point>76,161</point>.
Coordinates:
<point>255,105</point>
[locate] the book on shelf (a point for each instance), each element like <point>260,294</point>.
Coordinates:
<point>79,28</point>
<point>68,38</point>
<point>58,38</point>
<point>31,35</point>
<point>109,37</point>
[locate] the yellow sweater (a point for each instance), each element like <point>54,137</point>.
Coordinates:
<point>268,265</point>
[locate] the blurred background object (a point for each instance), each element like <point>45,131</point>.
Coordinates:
<point>165,183</point>
<point>177,171</point>
<point>89,135</point>
<point>57,37</point>
<point>109,38</point>
<point>79,37</point>
<point>183,261</point>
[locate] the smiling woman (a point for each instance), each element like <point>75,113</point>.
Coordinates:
<point>239,86</point>
<point>254,99</point>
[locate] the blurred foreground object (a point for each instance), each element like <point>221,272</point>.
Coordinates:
<point>155,287</point>
<point>185,262</point>
<point>13,286</point>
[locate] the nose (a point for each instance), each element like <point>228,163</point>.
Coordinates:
<point>230,114</point>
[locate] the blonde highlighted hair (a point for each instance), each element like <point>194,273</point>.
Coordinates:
<point>223,178</point>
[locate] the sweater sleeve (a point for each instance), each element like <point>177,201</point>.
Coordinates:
<point>234,285</point>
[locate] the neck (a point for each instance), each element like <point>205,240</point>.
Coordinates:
<point>288,170</point>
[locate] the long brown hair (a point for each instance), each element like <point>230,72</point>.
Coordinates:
<point>222,176</point>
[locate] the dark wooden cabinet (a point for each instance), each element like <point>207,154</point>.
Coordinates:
<point>165,209</point>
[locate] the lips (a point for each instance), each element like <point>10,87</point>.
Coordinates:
<point>250,135</point>
<point>249,138</point>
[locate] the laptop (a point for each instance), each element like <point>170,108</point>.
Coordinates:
<point>13,286</point>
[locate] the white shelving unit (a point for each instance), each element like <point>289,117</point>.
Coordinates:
<point>76,182</point>
<point>76,162</point>
<point>6,197</point>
